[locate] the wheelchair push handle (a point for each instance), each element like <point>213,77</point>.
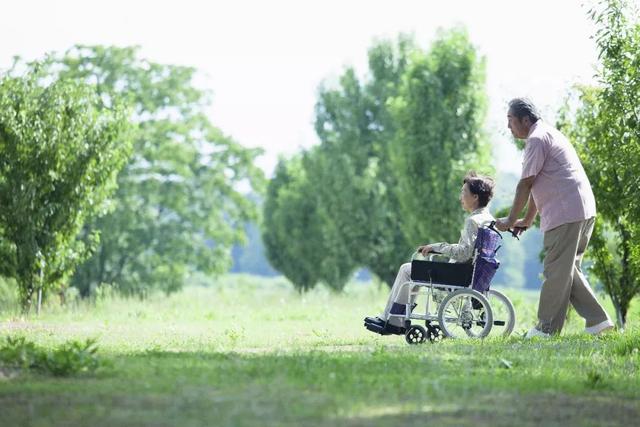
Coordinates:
<point>515,231</point>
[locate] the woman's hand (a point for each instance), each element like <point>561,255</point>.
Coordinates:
<point>424,250</point>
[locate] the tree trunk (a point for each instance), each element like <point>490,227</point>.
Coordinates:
<point>39,301</point>
<point>25,297</point>
<point>40,279</point>
<point>621,314</point>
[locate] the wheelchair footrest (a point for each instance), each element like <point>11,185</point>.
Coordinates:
<point>387,329</point>
<point>378,329</point>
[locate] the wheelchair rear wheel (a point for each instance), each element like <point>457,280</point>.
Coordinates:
<point>504,315</point>
<point>465,313</point>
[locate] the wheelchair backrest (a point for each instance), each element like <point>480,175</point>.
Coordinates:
<point>488,241</point>
<point>485,262</point>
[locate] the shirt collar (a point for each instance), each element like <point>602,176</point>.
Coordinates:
<point>479,210</point>
<point>533,127</point>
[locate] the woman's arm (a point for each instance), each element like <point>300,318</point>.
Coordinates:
<point>463,250</point>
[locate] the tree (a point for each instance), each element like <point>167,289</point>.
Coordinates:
<point>291,231</point>
<point>612,241</point>
<point>361,174</point>
<point>59,156</point>
<point>604,123</point>
<point>439,116</point>
<point>355,127</point>
<point>179,206</point>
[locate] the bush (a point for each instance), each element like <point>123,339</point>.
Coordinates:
<point>71,358</point>
<point>628,344</point>
<point>8,294</point>
<point>19,353</point>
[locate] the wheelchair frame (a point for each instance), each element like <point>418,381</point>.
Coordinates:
<point>455,283</point>
<point>434,310</point>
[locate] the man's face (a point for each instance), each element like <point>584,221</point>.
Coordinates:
<point>519,127</point>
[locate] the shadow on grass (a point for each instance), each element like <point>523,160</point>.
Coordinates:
<point>374,386</point>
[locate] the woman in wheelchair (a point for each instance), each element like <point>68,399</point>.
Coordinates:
<point>475,194</point>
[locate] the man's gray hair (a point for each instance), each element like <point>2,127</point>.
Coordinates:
<point>523,107</point>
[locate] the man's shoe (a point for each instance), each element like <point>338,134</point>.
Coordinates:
<point>534,332</point>
<point>600,328</point>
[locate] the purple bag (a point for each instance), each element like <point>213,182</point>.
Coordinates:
<point>485,262</point>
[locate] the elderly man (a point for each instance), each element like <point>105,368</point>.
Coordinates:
<point>555,185</point>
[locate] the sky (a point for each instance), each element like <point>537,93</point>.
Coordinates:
<point>264,60</point>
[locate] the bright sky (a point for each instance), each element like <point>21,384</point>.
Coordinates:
<point>264,60</point>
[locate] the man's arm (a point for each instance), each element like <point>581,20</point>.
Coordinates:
<point>532,211</point>
<point>523,191</point>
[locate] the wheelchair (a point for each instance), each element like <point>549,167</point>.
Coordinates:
<point>456,297</point>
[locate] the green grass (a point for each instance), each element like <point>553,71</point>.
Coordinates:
<point>249,351</point>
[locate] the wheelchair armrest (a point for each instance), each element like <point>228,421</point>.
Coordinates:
<point>429,255</point>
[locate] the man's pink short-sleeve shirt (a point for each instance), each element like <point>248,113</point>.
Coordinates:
<point>561,190</point>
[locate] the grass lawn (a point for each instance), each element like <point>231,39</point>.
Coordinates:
<point>249,351</point>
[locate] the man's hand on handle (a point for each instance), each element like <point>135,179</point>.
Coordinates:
<point>504,224</point>
<point>518,226</point>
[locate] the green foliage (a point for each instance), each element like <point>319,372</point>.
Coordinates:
<point>19,353</point>
<point>73,357</point>
<point>439,115</point>
<point>627,346</point>
<point>595,380</point>
<point>9,298</point>
<point>386,176</point>
<point>291,233</point>
<point>357,186</point>
<point>178,207</point>
<point>59,156</point>
<point>604,123</point>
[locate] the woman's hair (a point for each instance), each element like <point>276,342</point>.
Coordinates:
<point>480,185</point>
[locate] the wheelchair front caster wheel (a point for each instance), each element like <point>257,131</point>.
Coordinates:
<point>434,333</point>
<point>416,334</point>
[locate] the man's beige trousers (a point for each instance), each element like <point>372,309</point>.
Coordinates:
<point>564,282</point>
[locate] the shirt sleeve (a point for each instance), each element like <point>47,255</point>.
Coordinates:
<point>463,250</point>
<point>533,158</point>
